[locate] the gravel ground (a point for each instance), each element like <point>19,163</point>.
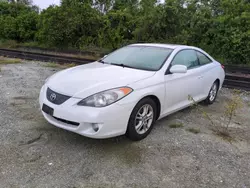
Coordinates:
<point>34,153</point>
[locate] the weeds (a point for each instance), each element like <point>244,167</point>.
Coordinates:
<point>231,108</point>
<point>70,65</point>
<point>8,44</point>
<point>57,65</point>
<point>176,125</point>
<point>194,130</point>
<point>9,61</point>
<point>52,65</point>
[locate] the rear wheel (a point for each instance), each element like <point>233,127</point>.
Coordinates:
<point>142,119</point>
<point>212,93</point>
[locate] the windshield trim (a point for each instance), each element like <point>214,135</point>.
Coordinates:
<point>145,69</point>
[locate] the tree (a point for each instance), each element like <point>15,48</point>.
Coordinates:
<point>221,27</point>
<point>17,21</point>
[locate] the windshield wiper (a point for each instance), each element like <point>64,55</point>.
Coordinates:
<point>101,61</point>
<point>122,65</point>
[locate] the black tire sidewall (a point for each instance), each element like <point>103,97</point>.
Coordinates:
<point>131,131</point>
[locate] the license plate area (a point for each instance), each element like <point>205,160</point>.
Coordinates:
<point>47,109</point>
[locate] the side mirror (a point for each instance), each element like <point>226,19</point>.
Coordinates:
<point>178,69</point>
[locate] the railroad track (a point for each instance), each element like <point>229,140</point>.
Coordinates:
<point>42,57</point>
<point>232,80</point>
<point>237,69</point>
<point>237,82</point>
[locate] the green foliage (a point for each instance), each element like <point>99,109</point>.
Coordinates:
<point>5,61</point>
<point>8,44</point>
<point>194,130</point>
<point>26,26</point>
<point>17,21</point>
<point>57,65</point>
<point>221,27</point>
<point>176,125</point>
<point>69,26</point>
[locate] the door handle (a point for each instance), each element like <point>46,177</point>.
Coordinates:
<point>200,77</point>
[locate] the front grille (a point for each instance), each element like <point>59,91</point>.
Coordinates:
<point>56,98</point>
<point>67,122</point>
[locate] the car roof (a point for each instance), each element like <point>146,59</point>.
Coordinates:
<point>171,46</point>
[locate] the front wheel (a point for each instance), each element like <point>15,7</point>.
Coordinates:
<point>142,119</point>
<point>212,93</point>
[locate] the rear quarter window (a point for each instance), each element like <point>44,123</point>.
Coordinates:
<point>203,59</point>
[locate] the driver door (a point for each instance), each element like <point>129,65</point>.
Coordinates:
<point>179,86</point>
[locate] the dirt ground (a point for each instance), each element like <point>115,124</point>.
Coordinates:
<point>34,153</point>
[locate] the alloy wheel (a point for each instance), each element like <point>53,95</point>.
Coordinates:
<point>213,92</point>
<point>144,119</point>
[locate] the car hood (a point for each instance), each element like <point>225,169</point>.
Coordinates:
<point>85,80</point>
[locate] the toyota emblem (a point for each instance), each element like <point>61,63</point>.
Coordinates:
<point>53,97</point>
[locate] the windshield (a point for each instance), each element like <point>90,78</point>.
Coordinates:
<point>139,57</point>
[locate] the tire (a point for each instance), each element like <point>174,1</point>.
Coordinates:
<point>212,93</point>
<point>141,121</point>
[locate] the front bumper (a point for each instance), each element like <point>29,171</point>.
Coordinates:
<point>111,120</point>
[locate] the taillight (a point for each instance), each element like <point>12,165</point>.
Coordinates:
<point>223,66</point>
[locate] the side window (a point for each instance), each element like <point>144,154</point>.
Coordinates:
<point>203,58</point>
<point>187,58</point>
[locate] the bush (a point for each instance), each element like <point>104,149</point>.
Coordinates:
<point>219,27</point>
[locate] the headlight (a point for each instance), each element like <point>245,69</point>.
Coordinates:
<point>105,98</point>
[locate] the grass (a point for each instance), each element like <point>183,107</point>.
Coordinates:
<point>88,52</point>
<point>176,125</point>
<point>8,44</point>
<point>194,130</point>
<point>70,65</point>
<point>9,61</point>
<point>91,57</point>
<point>57,65</point>
<point>5,61</point>
<point>52,65</point>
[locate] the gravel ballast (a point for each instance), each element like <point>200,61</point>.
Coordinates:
<point>34,153</point>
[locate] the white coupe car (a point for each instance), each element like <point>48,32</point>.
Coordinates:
<point>128,90</point>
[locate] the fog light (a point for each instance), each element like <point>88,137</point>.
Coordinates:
<point>95,127</point>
